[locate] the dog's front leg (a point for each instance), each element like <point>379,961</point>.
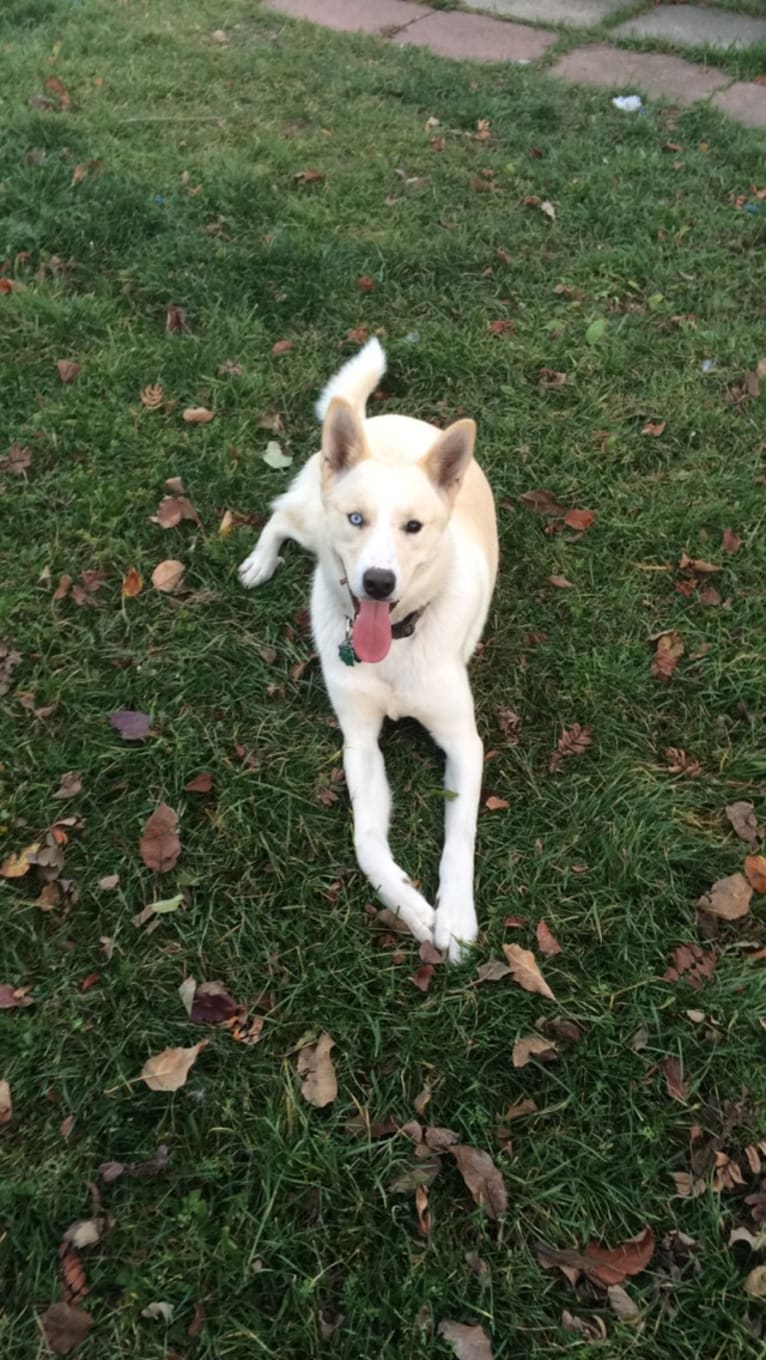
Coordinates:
<point>456,923</point>
<point>371,802</point>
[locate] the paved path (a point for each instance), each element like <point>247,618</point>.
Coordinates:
<point>485,37</point>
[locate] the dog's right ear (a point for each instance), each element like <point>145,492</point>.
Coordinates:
<point>343,441</point>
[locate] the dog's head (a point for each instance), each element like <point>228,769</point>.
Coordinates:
<point>386,514</point>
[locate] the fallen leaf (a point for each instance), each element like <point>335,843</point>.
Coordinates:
<point>176,322</point>
<point>755,1283</point>
<point>365,284</point>
<point>68,370</point>
<point>56,87</point>
<point>492,971</point>
<point>655,428</point>
<point>274,456</point>
<point>546,941</point>
<point>573,741</point>
<point>197,1322</point>
<point>282,347</point>
<point>755,872</point>
<point>470,1343</point>
<point>552,377</point>
<point>560,582</point>
<point>358,335</point>
<point>218,36</point>
<point>731,543</point>
<point>212,1005</point>
<point>668,653</point>
<point>152,396</point>
<point>744,821</point>
<point>595,331</point>
<point>688,1186</point>
<point>678,1088</point>
<point>71,785</point>
<point>308,176</point>
<point>592,1329</point>
<point>17,865</point>
<point>198,415</point>
<point>709,596</point>
<point>494,804</point>
<point>229,368</point>
<point>549,210</point>
<point>532,1046</point>
<point>159,1312</point>
<point>85,1232</point>
<point>172,509</point>
<point>603,1265</point>
<point>65,1327</point>
<point>131,725</point>
<point>422,1173</point>
<point>168,1070</point>
<point>521,1110</point>
<point>167,576</point>
<point>201,783</point>
<point>160,844</point>
<point>500,327</point>
<point>698,564</point>
<point>693,963</point>
<point>6,1103</point>
<point>728,899</point>
<point>16,461</point>
<point>483,1179</point>
<point>755,1241</point>
<point>66,1125</point>
<point>526,970</point>
<point>319,1086</point>
<point>622,1304</point>
<point>132,584</point>
<point>678,762</point>
<point>579,519</point>
<point>544,502</point>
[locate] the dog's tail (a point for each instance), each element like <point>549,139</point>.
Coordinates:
<point>356,379</point>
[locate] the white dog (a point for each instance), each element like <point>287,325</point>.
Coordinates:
<point>402,522</point>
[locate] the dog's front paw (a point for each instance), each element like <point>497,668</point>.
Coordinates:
<point>258,567</point>
<point>456,926</point>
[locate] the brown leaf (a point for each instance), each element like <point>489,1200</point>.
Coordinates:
<point>526,970</point>
<point>65,1327</point>
<point>16,461</point>
<point>308,176</point>
<point>172,509</point>
<point>678,762</point>
<point>494,804</point>
<point>709,596</point>
<point>698,564</point>
<point>422,1100</point>
<point>68,370</point>
<point>6,1103</point>
<point>500,327</point>
<point>492,971</point>
<point>552,377</point>
<point>592,1329</point>
<point>678,1087</point>
<point>320,1085</point>
<point>176,322</point>
<point>546,941</point>
<point>532,1046</point>
<point>544,502</point>
<point>655,428</point>
<point>755,872</point>
<point>731,543</point>
<point>167,576</point>
<point>440,1139</point>
<point>56,87</point>
<point>622,1304</point>
<point>132,584</point>
<point>755,1283</point>
<point>17,865</point>
<point>168,1070</point>
<point>282,347</point>
<point>579,519</point>
<point>483,1179</point>
<point>728,899</point>
<point>131,725</point>
<point>521,1110</point>
<point>198,415</point>
<point>422,976</point>
<point>63,587</point>
<point>152,396</point>
<point>422,1173</point>
<point>693,963</point>
<point>688,1186</point>
<point>66,1125</point>
<point>572,742</point>
<point>197,1322</point>
<point>71,785</point>
<point>744,821</point>
<point>560,582</point>
<point>201,783</point>
<point>160,844</point>
<point>470,1343</point>
<point>603,1265</point>
<point>365,284</point>
<point>668,653</point>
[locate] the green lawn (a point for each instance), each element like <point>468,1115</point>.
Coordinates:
<point>269,1212</point>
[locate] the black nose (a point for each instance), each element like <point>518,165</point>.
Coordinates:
<point>378,584</point>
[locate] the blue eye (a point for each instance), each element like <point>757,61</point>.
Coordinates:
<point>356,518</point>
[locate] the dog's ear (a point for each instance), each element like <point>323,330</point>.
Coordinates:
<point>343,441</point>
<point>448,458</point>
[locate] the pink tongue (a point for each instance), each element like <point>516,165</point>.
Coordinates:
<point>371,634</point>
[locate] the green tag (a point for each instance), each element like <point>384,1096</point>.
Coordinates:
<point>346,654</point>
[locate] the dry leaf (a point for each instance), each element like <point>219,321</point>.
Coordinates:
<point>71,785</point>
<point>526,970</point>
<point>755,872</point>
<point>152,396</point>
<point>132,584</point>
<point>655,429</point>
<point>688,1186</point>
<point>544,502</point>
<point>168,1070</point>
<point>549,210</point>
<point>160,844</point>
<point>167,576</point>
<point>483,1179</point>
<point>728,899</point>
<point>365,284</point>
<point>494,804</point>
<point>492,971</point>
<point>213,1005</point>
<point>668,653</point>
<point>65,1327</point>
<point>16,461</point>
<point>56,87</point>
<point>743,819</point>
<point>109,882</point>
<point>592,1329</point>
<point>572,742</point>
<point>469,1343</point>
<point>172,509</point>
<point>6,1103</point>
<point>755,1283</point>
<point>603,1265</point>
<point>560,582</point>
<point>731,543</point>
<point>698,564</point>
<point>709,597</point>
<point>532,1046</point>
<point>320,1085</point>
<point>308,176</point>
<point>68,370</point>
<point>500,327</point>
<point>159,1312</point>
<point>198,415</point>
<point>524,1107</point>
<point>678,762</point>
<point>622,1304</point>
<point>282,347</point>
<point>678,1088</point>
<point>551,377</point>
<point>579,519</point>
<point>131,725</point>
<point>176,322</point>
<point>17,865</point>
<point>546,941</point>
<point>693,963</point>
<point>201,783</point>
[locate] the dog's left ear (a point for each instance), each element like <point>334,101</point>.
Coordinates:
<point>448,458</point>
<point>343,441</point>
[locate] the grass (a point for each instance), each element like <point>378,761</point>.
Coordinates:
<point>269,1212</point>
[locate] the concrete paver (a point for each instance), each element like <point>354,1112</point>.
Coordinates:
<point>573,13</point>
<point>693,26</point>
<point>352,16</point>
<point>455,34</point>
<point>658,75</point>
<point>745,101</point>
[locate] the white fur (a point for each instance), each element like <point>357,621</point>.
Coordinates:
<point>423,676</point>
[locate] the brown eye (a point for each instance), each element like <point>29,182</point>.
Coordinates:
<point>413,526</point>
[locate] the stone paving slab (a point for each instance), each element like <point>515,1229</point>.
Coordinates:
<point>579,13</point>
<point>693,26</point>
<point>455,34</point>
<point>659,76</point>
<point>745,101</point>
<point>353,16</point>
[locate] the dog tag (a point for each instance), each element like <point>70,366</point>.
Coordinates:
<point>346,654</point>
